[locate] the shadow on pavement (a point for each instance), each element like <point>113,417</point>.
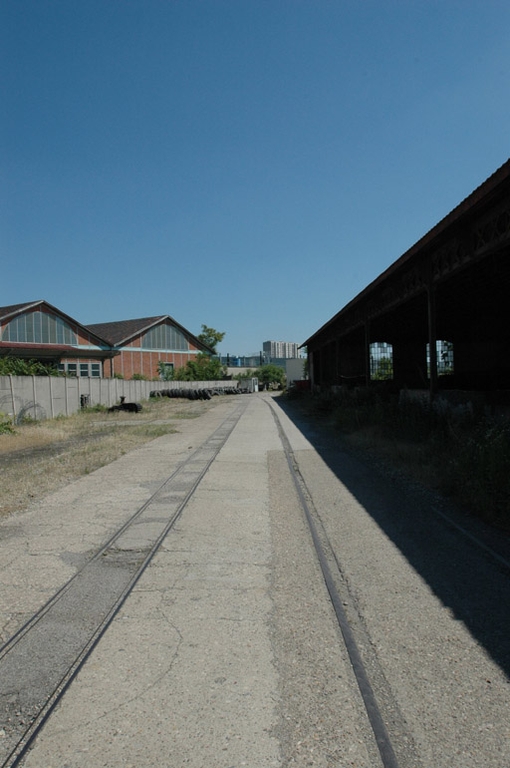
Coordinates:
<point>468,580</point>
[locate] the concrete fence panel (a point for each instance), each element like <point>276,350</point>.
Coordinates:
<point>46,397</point>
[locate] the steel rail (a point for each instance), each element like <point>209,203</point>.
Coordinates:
<point>372,708</point>
<point>10,642</point>
<point>204,455</point>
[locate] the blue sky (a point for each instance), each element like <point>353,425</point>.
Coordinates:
<point>247,164</point>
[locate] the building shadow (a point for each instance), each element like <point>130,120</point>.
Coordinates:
<point>466,578</point>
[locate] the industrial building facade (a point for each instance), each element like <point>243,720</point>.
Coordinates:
<point>148,344</point>
<point>439,317</point>
<point>39,331</point>
<point>127,348</point>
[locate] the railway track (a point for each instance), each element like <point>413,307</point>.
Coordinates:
<point>340,598</point>
<point>38,664</point>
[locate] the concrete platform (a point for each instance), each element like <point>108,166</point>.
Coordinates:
<point>188,672</point>
<point>227,653</point>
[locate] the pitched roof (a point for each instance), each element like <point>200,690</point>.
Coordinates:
<point>16,309</point>
<point>123,331</point>
<point>482,195</point>
<point>116,333</point>
<point>6,313</point>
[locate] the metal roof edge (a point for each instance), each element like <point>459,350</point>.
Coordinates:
<point>480,193</point>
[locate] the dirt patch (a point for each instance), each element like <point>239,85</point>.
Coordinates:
<point>41,457</point>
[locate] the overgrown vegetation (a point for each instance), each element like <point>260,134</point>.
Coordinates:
<point>269,375</point>
<point>6,426</point>
<point>15,366</point>
<point>165,371</point>
<point>458,452</point>
<point>202,368</point>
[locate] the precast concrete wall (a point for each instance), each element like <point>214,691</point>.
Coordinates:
<point>45,397</point>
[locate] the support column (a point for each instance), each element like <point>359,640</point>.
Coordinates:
<point>367,353</point>
<point>410,364</point>
<point>431,305</point>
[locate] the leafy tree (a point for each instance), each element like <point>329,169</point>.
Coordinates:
<point>270,374</point>
<point>210,337</point>
<point>202,368</point>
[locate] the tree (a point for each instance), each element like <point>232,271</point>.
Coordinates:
<point>270,374</point>
<point>210,337</point>
<point>202,368</point>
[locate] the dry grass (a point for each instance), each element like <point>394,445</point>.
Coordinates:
<point>40,457</point>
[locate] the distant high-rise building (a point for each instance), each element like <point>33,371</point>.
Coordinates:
<point>281,349</point>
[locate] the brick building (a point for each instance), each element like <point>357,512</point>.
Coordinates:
<point>146,343</point>
<point>39,331</point>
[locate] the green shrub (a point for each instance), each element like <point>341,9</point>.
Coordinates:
<point>15,366</point>
<point>6,426</point>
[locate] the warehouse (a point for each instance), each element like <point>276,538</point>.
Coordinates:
<point>440,312</point>
<point>127,348</point>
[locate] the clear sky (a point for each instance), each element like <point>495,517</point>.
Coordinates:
<point>247,164</point>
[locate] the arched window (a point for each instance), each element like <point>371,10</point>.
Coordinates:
<point>165,337</point>
<point>381,361</point>
<point>39,328</point>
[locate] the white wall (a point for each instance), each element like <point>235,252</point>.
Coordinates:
<point>294,368</point>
